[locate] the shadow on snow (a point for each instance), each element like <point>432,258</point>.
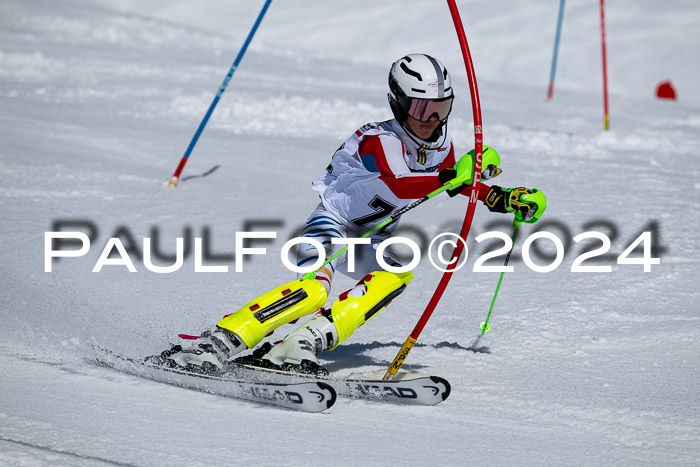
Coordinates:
<point>354,356</point>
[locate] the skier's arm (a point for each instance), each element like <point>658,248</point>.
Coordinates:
<point>527,204</point>
<point>385,156</point>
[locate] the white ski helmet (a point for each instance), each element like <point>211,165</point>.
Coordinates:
<point>420,86</point>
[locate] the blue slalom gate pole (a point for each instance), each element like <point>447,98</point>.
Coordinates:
<point>550,91</point>
<point>176,175</point>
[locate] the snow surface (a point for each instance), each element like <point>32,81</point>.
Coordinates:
<point>98,101</point>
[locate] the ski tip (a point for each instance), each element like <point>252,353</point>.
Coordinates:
<point>327,387</point>
<point>444,382</point>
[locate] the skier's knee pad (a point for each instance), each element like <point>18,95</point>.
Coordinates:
<point>349,313</point>
<point>279,306</point>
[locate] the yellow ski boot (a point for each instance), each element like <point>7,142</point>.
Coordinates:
<point>248,326</point>
<point>327,329</point>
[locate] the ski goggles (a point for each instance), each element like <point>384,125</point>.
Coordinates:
<point>423,109</point>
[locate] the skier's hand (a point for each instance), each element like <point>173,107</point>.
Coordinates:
<point>458,176</point>
<point>490,162</point>
<point>527,204</point>
<point>446,176</point>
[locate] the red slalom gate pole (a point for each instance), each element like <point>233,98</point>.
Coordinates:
<point>606,113</point>
<point>466,225</point>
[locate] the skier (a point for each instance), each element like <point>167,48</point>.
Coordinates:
<point>382,167</point>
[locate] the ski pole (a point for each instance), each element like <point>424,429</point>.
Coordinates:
<point>550,90</point>
<point>485,326</point>
<point>384,223</point>
<point>469,216</point>
<point>176,175</point>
